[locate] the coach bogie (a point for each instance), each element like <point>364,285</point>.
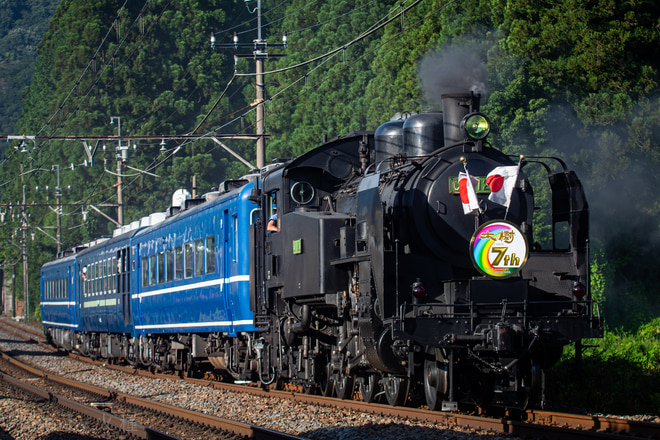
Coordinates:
<point>60,337</point>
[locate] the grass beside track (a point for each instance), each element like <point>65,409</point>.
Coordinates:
<point>621,374</point>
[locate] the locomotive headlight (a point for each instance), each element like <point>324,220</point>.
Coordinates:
<point>476,126</point>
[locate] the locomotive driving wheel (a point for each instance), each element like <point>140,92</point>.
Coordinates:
<point>344,385</point>
<point>436,380</point>
<point>368,387</point>
<point>396,390</point>
<point>326,382</point>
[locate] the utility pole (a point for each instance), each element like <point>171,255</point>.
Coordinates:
<point>26,292</point>
<point>58,197</point>
<point>120,154</point>
<point>259,53</point>
<point>261,114</point>
<point>58,206</point>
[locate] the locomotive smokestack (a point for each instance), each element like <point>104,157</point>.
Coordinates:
<point>454,107</point>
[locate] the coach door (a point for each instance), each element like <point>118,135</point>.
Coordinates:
<point>123,281</point>
<point>228,227</point>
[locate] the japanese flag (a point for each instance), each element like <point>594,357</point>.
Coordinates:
<point>466,184</point>
<point>501,182</point>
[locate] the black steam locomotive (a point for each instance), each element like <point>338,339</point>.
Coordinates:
<point>392,269</point>
<point>398,263</point>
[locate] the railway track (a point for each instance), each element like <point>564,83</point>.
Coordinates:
<point>141,418</point>
<point>530,424</point>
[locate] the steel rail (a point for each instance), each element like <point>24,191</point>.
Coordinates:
<point>104,417</point>
<point>239,428</point>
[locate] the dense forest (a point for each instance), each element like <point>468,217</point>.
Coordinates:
<point>22,24</point>
<point>576,79</point>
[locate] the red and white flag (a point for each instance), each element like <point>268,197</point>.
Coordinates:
<point>501,182</point>
<point>466,184</point>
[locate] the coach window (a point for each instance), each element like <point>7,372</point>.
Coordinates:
<point>152,270</point>
<point>95,273</point>
<point>161,267</point>
<point>210,254</point>
<point>114,274</point>
<point>199,257</point>
<point>101,276</point>
<point>104,276</point>
<point>109,270</point>
<point>97,278</point>
<point>188,259</point>
<point>178,263</point>
<point>145,271</point>
<point>169,265</point>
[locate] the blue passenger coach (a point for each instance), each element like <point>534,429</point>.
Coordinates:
<point>192,270</point>
<point>104,283</point>
<point>58,299</point>
<point>165,291</point>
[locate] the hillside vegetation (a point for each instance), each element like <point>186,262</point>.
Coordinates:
<point>22,24</point>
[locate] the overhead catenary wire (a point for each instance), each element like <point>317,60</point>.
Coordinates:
<point>342,47</point>
<point>329,55</point>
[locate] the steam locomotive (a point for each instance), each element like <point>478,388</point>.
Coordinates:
<point>397,263</point>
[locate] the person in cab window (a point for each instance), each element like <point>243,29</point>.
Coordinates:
<point>272,224</point>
